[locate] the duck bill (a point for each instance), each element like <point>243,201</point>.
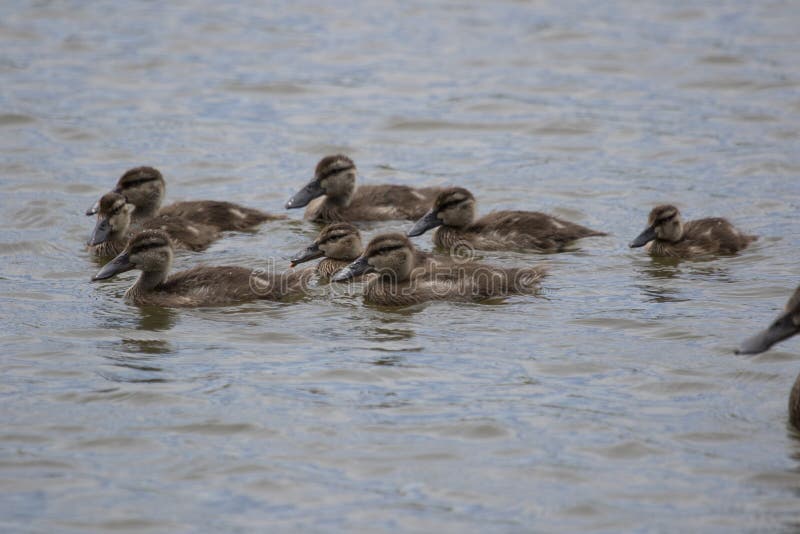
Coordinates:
<point>311,191</point>
<point>644,238</point>
<point>428,221</point>
<point>120,264</point>
<point>100,233</point>
<point>779,330</point>
<point>357,268</point>
<point>94,209</point>
<point>311,253</point>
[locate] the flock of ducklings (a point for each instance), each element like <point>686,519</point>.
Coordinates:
<point>138,233</point>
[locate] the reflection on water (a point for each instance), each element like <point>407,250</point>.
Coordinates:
<point>156,319</point>
<point>613,396</point>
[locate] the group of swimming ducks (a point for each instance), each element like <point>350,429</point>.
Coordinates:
<point>138,233</point>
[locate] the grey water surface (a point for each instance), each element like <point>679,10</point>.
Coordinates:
<point>610,402</point>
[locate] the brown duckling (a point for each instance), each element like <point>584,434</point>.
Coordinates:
<point>666,235</point>
<point>144,187</point>
<point>453,213</point>
<point>112,231</point>
<point>150,251</point>
<point>339,243</point>
<point>785,326</point>
<point>335,181</point>
<point>407,276</point>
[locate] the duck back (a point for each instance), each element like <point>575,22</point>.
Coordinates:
<point>375,203</point>
<point>224,216</point>
<point>514,229</point>
<point>713,235</point>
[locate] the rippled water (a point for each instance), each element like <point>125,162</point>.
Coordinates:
<point>610,402</point>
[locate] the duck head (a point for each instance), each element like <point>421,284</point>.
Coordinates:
<point>149,251</point>
<point>144,187</point>
<point>113,218</point>
<point>389,255</point>
<point>335,176</point>
<point>339,241</point>
<point>664,223</point>
<point>786,325</point>
<point>453,207</point>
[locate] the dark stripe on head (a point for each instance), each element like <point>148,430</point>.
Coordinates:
<point>148,239</point>
<point>138,176</point>
<point>336,170</point>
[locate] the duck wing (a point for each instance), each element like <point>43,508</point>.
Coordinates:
<point>222,215</point>
<point>530,229</point>
<point>392,201</point>
<point>715,235</point>
<point>217,285</point>
<point>184,233</point>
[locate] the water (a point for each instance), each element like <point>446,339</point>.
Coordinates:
<point>611,402</point>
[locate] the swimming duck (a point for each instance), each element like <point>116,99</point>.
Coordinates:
<point>150,251</point>
<point>667,235</point>
<point>407,276</point>
<point>335,181</point>
<point>785,326</point>
<point>112,231</point>
<point>340,243</point>
<point>144,187</point>
<point>453,213</point>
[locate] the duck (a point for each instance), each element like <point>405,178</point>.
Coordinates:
<point>453,214</point>
<point>113,228</point>
<point>407,276</point>
<point>332,196</point>
<point>144,188</point>
<point>150,251</point>
<point>339,243</point>
<point>667,236</point>
<point>783,327</point>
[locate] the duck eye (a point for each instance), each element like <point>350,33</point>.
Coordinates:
<point>389,248</point>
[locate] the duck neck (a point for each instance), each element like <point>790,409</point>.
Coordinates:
<point>340,193</point>
<point>448,237</point>
<point>147,282</point>
<point>149,207</point>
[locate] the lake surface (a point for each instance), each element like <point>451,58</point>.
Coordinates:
<point>610,402</point>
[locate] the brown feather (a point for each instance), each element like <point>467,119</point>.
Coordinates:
<point>502,230</point>
<point>374,203</point>
<point>437,278</point>
<point>701,237</point>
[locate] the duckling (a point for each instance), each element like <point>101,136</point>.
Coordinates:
<point>335,181</point>
<point>454,213</point>
<point>407,276</point>
<point>144,187</point>
<point>666,235</point>
<point>340,243</point>
<point>112,231</point>
<point>150,251</point>
<point>785,326</point>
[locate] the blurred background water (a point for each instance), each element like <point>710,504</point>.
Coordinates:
<point>611,402</point>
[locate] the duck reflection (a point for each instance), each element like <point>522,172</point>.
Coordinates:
<point>156,318</point>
